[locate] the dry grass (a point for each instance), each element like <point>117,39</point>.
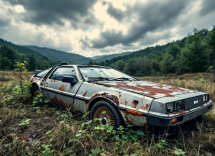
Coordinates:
<point>52,126</point>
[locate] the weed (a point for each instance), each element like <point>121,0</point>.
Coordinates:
<point>25,122</point>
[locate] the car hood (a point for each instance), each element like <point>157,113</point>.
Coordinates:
<point>155,90</point>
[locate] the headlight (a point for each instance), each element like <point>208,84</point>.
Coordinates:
<point>170,107</point>
<point>178,105</point>
<point>205,98</point>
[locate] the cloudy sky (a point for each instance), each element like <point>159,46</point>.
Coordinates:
<point>101,27</point>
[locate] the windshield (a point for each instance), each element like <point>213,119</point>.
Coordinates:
<point>102,73</point>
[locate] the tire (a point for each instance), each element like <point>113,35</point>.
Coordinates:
<point>34,91</point>
<point>112,115</point>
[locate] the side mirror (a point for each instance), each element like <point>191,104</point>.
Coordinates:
<point>69,79</point>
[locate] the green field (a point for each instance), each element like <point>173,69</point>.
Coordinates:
<point>30,127</point>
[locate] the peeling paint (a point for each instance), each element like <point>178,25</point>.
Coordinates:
<point>62,87</point>
<point>135,103</point>
<point>85,94</point>
<point>154,90</point>
<point>56,101</point>
<point>147,105</point>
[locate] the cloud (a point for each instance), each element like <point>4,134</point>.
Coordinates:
<point>208,6</point>
<point>95,27</point>
<point>53,12</point>
<point>4,22</point>
<point>115,12</point>
<point>85,42</point>
<point>148,17</point>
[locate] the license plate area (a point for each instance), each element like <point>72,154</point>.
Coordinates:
<point>195,114</point>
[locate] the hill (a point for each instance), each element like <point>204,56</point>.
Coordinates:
<point>8,57</point>
<point>108,57</point>
<point>151,50</point>
<point>20,49</point>
<point>57,55</point>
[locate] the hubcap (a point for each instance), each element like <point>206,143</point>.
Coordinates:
<point>104,120</point>
<point>106,117</point>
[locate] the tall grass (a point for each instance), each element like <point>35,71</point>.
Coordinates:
<point>49,130</point>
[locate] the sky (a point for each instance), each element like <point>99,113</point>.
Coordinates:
<point>102,27</point>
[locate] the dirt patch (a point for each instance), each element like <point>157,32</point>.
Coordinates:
<point>36,130</point>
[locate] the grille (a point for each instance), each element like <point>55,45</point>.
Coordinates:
<point>193,102</point>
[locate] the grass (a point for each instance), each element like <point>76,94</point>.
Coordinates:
<point>43,129</point>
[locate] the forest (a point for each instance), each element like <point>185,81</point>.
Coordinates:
<point>8,57</point>
<point>194,53</point>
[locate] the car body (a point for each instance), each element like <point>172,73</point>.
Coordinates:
<point>137,103</point>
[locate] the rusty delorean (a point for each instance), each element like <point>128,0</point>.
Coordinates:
<point>126,100</point>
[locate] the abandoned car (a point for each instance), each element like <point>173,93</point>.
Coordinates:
<point>124,99</point>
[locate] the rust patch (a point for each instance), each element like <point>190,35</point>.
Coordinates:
<point>126,102</point>
<point>201,106</point>
<point>126,115</point>
<point>150,89</point>
<point>178,113</point>
<point>53,80</point>
<point>85,94</point>
<point>119,94</point>
<point>62,87</point>
<point>80,77</point>
<point>106,95</point>
<point>56,101</point>
<point>147,106</point>
<point>32,80</point>
<point>161,105</point>
<point>135,103</point>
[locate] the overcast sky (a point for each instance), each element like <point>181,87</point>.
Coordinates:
<point>101,27</point>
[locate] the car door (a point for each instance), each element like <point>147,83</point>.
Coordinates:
<point>62,93</point>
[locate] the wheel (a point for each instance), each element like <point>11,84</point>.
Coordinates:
<point>34,90</point>
<point>111,116</point>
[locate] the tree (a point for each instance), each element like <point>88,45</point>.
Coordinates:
<point>32,63</point>
<point>210,41</point>
<point>173,50</point>
<point>143,67</point>
<point>130,67</point>
<point>195,56</point>
<point>166,64</point>
<point>90,63</point>
<point>119,65</point>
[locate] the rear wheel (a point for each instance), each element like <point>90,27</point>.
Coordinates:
<point>111,115</point>
<point>34,91</point>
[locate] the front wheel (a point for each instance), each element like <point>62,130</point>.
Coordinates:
<point>107,113</point>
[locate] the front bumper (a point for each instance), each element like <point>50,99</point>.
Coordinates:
<point>156,119</point>
<point>160,125</point>
<point>158,131</point>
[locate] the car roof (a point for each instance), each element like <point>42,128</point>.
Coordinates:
<point>82,66</point>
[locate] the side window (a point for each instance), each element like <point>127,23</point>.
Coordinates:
<point>60,72</point>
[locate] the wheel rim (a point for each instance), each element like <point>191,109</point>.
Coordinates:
<point>106,117</point>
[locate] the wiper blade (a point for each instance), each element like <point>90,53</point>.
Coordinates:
<point>124,78</point>
<point>98,78</point>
